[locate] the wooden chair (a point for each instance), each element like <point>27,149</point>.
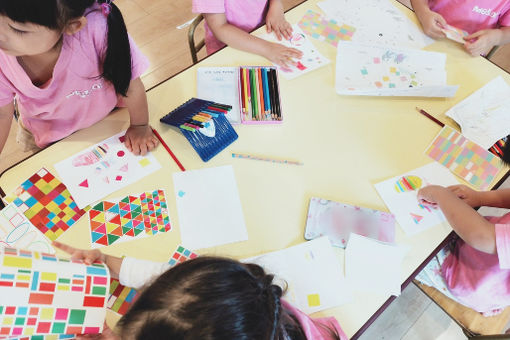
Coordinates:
<point>194,49</point>
<point>474,325</point>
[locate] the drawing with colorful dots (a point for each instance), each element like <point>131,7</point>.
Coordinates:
<point>465,158</point>
<point>318,27</point>
<point>102,169</point>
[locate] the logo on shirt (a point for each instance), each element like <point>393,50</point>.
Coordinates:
<point>85,93</point>
<point>485,11</point>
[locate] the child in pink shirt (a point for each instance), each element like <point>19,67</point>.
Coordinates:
<point>486,21</point>
<point>206,298</point>
<point>476,268</point>
<point>68,64</point>
<point>230,21</point>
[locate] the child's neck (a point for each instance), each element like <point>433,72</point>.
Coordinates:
<point>39,68</point>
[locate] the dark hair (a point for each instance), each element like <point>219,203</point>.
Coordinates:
<point>506,151</point>
<point>55,14</point>
<point>211,298</point>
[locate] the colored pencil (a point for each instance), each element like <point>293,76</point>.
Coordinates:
<point>266,93</point>
<point>260,109</point>
<point>248,92</point>
<point>241,89</point>
<point>429,116</point>
<point>263,110</point>
<point>266,159</point>
<point>252,88</point>
<point>271,95</point>
<point>244,92</point>
<point>255,95</point>
<point>179,164</point>
<point>277,95</point>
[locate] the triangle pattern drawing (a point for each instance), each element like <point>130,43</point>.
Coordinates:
<point>416,218</point>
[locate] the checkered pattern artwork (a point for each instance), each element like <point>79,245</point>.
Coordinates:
<point>464,158</point>
<point>180,255</point>
<point>318,27</point>
<point>47,203</point>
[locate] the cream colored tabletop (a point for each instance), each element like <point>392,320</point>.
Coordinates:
<point>346,143</point>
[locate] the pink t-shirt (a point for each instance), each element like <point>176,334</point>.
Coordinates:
<point>75,97</point>
<point>245,14</point>
<point>479,280</point>
<point>473,15</point>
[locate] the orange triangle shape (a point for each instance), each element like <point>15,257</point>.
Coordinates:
<point>117,231</point>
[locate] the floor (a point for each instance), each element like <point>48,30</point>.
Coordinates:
<point>160,29</point>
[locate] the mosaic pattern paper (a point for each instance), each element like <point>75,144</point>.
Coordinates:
<point>324,29</point>
<point>180,255</point>
<point>102,169</point>
<point>337,221</point>
<point>43,294</point>
<point>132,217</point>
<point>464,158</point>
<point>47,337</point>
<point>47,203</point>
<point>455,34</point>
<point>16,231</point>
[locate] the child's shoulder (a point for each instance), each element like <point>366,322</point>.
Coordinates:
<point>96,29</point>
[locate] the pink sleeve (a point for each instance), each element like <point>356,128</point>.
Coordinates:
<point>504,19</point>
<point>208,6</point>
<point>6,94</point>
<point>503,245</point>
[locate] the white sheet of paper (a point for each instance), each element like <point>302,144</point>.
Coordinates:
<point>16,231</point>
<point>373,266</point>
<point>372,70</point>
<point>312,59</point>
<point>220,85</point>
<point>484,116</point>
<point>209,207</point>
<point>312,272</point>
<point>402,200</point>
<point>102,169</point>
<point>393,27</point>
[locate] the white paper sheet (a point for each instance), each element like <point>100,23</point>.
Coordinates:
<point>373,266</point>
<point>401,198</point>
<point>376,22</point>
<point>209,208</point>
<point>102,169</point>
<point>484,116</point>
<point>312,272</point>
<point>311,60</point>
<point>17,231</point>
<point>220,85</point>
<point>372,70</point>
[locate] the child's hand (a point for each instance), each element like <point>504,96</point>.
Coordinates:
<point>481,42</point>
<point>428,194</point>
<point>107,334</point>
<point>88,256</point>
<point>140,139</point>
<point>468,195</point>
<point>432,24</point>
<point>275,21</point>
<point>282,55</point>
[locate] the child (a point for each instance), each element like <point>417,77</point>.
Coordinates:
<point>485,20</point>
<point>207,298</point>
<point>475,270</point>
<point>68,64</point>
<point>229,21</point>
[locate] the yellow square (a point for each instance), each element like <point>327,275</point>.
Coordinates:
<point>53,207</point>
<point>30,331</point>
<point>386,78</point>
<point>8,321</point>
<point>144,162</point>
<point>64,288</point>
<point>49,277</point>
<point>314,300</point>
<point>47,313</point>
<point>393,70</point>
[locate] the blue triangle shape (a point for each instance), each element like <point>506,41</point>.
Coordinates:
<point>96,236</point>
<point>134,206</point>
<point>129,224</point>
<point>115,209</point>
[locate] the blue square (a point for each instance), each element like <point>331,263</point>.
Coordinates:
<point>22,310</point>
<point>59,199</point>
<point>18,201</point>
<point>31,201</point>
<point>50,224</point>
<point>51,215</point>
<point>70,222</point>
<point>27,184</point>
<point>186,252</point>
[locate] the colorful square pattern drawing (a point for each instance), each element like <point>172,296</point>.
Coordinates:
<point>132,217</point>
<point>47,203</point>
<point>464,158</point>
<point>318,27</point>
<point>50,295</point>
<point>180,255</point>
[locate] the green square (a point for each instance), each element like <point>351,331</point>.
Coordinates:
<point>58,328</point>
<point>99,291</point>
<point>77,317</point>
<point>37,337</point>
<point>20,321</point>
<point>64,280</point>
<point>1,310</point>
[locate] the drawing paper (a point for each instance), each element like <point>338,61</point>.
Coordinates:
<point>455,34</point>
<point>319,27</point>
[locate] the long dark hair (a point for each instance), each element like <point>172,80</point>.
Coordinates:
<point>55,14</point>
<point>211,298</point>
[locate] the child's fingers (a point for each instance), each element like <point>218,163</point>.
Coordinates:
<point>143,149</point>
<point>64,247</point>
<point>293,53</point>
<point>128,145</point>
<point>268,27</point>
<point>276,30</point>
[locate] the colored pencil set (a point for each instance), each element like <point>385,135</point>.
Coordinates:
<point>259,95</point>
<point>497,148</point>
<point>205,114</point>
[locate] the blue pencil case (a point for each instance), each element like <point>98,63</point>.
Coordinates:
<point>205,126</point>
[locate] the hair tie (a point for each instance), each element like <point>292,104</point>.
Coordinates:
<point>106,7</point>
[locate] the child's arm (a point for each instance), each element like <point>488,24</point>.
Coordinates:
<point>494,198</point>
<point>467,223</point>
<point>481,42</point>
<point>139,136</point>
<point>431,21</point>
<point>275,20</point>
<point>239,39</point>
<point>6,113</point>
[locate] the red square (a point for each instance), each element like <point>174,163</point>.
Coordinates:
<point>31,321</point>
<point>44,200</point>
<point>48,177</point>
<point>43,327</point>
<point>33,190</point>
<point>73,330</point>
<point>34,311</point>
<point>60,188</point>
<point>61,214</point>
<point>46,287</point>
<point>5,331</point>
<point>10,310</point>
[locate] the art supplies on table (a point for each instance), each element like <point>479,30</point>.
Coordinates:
<point>130,218</point>
<point>43,294</point>
<point>321,28</point>
<point>455,34</point>
<point>393,27</point>
<point>252,91</point>
<point>483,116</point>
<point>209,207</point>
<point>311,60</point>
<point>312,273</point>
<point>47,203</point>
<point>16,231</point>
<point>337,220</point>
<point>204,125</point>
<point>400,196</point>
<point>102,169</point>
<point>266,159</point>
<point>167,148</point>
<point>498,147</point>
<point>464,158</point>
<point>371,70</point>
<point>373,266</point>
